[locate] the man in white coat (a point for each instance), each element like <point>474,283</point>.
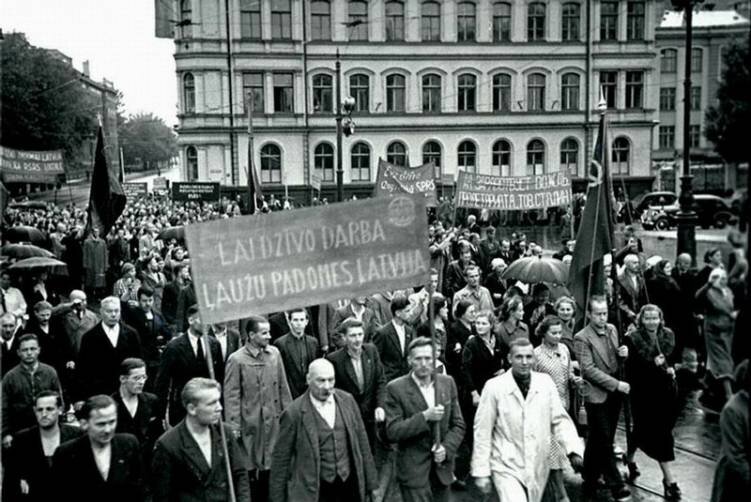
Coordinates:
<point>518,417</point>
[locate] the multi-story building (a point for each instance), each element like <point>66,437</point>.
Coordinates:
<point>497,87</point>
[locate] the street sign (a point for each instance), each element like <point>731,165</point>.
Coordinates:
<point>315,181</point>
<point>196,191</point>
<point>133,190</point>
<point>161,184</point>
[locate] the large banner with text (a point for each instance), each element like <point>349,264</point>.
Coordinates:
<point>270,263</point>
<point>540,191</point>
<point>394,180</point>
<point>23,166</point>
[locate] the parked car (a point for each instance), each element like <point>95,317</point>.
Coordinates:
<point>711,211</point>
<point>644,201</point>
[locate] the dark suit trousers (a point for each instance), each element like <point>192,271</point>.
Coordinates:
<point>602,420</point>
<point>339,491</point>
<point>433,492</point>
<point>259,485</point>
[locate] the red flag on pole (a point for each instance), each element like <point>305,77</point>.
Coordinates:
<point>107,199</point>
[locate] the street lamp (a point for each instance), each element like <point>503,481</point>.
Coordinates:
<point>347,128</point>
<point>686,216</point>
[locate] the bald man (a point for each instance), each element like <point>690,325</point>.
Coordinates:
<point>322,453</point>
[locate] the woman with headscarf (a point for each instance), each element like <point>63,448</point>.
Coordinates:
<point>663,291</point>
<point>653,395</point>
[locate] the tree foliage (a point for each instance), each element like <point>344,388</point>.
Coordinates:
<point>43,105</point>
<point>146,139</point>
<point>729,121</point>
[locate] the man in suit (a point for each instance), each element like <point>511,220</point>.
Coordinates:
<point>414,403</point>
<point>598,354</point>
<point>393,338</point>
<point>53,343</point>
<point>103,348</point>
<point>171,294</point>
<point>358,310</point>
<point>632,292</point>
<point>322,454</point>
<point>10,333</point>
<point>184,358</point>
<point>185,300</point>
<point>137,411</point>
<point>455,277</point>
<point>151,327</point>
<point>28,471</point>
<point>228,338</point>
<point>189,459</point>
<point>101,465</point>
<point>76,320</point>
<point>298,351</point>
<point>359,371</point>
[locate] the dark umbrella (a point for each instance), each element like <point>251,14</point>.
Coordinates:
<point>534,269</point>
<point>25,234</point>
<point>177,233</point>
<point>21,251</point>
<point>28,264</point>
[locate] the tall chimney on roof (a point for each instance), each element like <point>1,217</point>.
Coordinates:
<point>86,70</point>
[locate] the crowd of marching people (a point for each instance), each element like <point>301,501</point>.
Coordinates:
<point>112,387</point>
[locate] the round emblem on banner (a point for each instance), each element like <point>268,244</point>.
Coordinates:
<point>401,211</point>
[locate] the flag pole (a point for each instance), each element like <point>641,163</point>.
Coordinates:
<point>252,203</point>
<point>433,340</point>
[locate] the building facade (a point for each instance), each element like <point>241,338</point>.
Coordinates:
<point>506,88</point>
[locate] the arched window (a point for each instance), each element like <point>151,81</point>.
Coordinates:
<point>395,91</point>
<point>431,152</point>
<point>536,92</point>
<point>322,93</point>
<point>467,157</point>
<point>570,156</point>
<point>467,85</point>
<point>394,20</point>
<point>621,156</point>
<point>323,161</point>
<point>570,91</point>
<point>668,60</point>
<point>358,20</point>
<point>320,20</point>
<point>431,21</point>
<point>535,157</point>
<point>360,160</point>
<point>271,164</point>
<point>396,154</point>
<point>465,22</point>
<point>186,15</point>
<point>502,158</point>
<point>431,93</point>
<point>189,93</point>
<point>191,163</point>
<point>359,88</point>
<point>570,22</point>
<point>501,22</point>
<point>535,21</point>
<point>501,92</point>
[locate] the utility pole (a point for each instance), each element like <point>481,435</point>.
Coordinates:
<point>339,117</point>
<point>252,203</point>
<point>230,76</point>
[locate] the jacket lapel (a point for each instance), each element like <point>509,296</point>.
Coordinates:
<point>349,367</point>
<point>367,370</point>
<point>415,394</point>
<point>193,453</point>
<point>308,422</point>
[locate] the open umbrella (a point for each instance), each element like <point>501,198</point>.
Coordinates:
<point>534,269</point>
<point>21,251</point>
<point>177,233</point>
<point>25,234</point>
<point>27,264</point>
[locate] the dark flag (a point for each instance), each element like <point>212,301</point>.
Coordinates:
<point>254,189</point>
<point>4,196</point>
<point>107,199</point>
<point>594,239</point>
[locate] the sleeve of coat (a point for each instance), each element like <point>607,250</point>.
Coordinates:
<point>485,418</point>
<point>232,391</point>
<point>398,426</point>
<point>368,464</point>
<point>161,484</point>
<point>468,355</point>
<point>453,438</point>
<point>285,394</point>
<point>590,372</point>
<point>281,459</point>
<point>380,379</point>
<point>734,434</point>
<point>239,472</point>
<point>163,380</point>
<point>561,424</point>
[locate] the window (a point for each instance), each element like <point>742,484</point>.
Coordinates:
<point>253,82</point>
<point>191,161</point>
<point>697,60</point>
<point>696,98</point>
<point>431,93</point>
<point>186,16</point>
<point>189,93</point>
<point>667,137</point>
<point>358,20</point>
<point>501,22</point>
<point>620,156</point>
<point>536,92</point>
<point>395,93</point>
<point>359,88</point>
<point>396,154</point>
<point>694,136</point>
<point>635,15</point>
<point>467,157</point>
<point>250,19</point>
<point>271,164</point>
<point>570,91</point>
<point>466,98</point>
<point>668,60</point>
<point>320,20</point>
<point>667,99</point>
<point>283,93</point>
<point>502,158</point>
<point>281,19</point>
<point>323,161</point>
<point>394,20</point>
<point>360,162</point>
<point>634,89</point>
<point>608,21</point>
<point>535,157</point>
<point>571,21</point>
<point>323,94</point>
<point>536,21</point>
<point>609,86</point>
<point>431,21</point>
<point>501,92</point>
<point>465,22</point>
<point>431,152</point>
<point>570,155</point>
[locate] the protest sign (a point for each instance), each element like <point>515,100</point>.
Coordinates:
<point>394,180</point>
<point>161,184</point>
<point>133,190</point>
<point>513,192</point>
<point>259,264</point>
<point>20,166</point>
<point>315,181</point>
<point>195,191</point>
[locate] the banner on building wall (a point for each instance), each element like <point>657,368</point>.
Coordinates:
<point>398,180</point>
<point>24,166</point>
<point>541,191</point>
<point>160,184</point>
<point>133,190</point>
<point>288,259</point>
<point>195,191</point>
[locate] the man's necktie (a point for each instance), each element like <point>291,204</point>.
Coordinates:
<point>200,356</point>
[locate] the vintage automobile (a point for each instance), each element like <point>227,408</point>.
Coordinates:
<point>712,211</point>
